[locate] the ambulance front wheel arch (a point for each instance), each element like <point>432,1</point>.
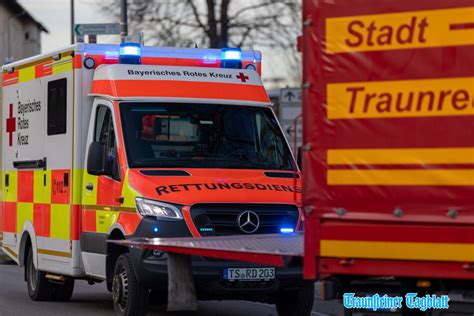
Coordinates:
<point>114,251</point>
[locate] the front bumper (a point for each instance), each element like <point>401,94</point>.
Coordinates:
<point>152,270</point>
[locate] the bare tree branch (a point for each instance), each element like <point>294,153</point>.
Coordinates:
<point>217,23</point>
<point>196,14</point>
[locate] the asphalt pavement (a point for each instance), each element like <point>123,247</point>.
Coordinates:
<point>96,300</point>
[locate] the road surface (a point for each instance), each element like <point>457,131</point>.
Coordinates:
<point>96,300</point>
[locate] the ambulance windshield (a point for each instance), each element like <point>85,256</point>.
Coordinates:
<point>203,136</point>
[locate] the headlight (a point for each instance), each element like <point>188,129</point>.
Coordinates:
<point>157,209</point>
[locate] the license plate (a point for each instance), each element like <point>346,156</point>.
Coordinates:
<point>249,274</point>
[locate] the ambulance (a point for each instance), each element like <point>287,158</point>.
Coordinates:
<point>111,142</point>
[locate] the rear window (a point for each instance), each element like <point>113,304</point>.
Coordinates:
<point>57,106</point>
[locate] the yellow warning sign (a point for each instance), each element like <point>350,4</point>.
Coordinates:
<point>414,29</point>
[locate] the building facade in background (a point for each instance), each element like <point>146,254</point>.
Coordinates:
<point>20,33</point>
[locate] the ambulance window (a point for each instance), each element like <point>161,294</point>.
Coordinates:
<point>102,124</point>
<point>203,136</point>
<point>57,106</point>
<point>104,133</point>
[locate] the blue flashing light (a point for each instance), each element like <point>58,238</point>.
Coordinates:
<point>286,230</point>
<point>231,54</point>
<point>155,229</point>
<point>231,58</point>
<point>130,53</point>
<point>130,50</point>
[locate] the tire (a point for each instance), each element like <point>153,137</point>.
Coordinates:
<point>39,288</point>
<point>63,292</point>
<point>129,296</point>
<point>296,302</point>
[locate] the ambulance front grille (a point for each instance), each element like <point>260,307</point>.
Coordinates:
<point>222,219</point>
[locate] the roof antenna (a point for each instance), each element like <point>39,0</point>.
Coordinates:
<point>196,45</point>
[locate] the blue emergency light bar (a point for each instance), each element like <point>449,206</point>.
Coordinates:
<point>133,53</point>
<point>130,53</point>
<point>286,230</point>
<point>231,58</point>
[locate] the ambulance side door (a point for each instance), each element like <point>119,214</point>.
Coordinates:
<point>100,192</point>
<point>58,148</point>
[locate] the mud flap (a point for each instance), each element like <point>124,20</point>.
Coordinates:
<point>181,289</point>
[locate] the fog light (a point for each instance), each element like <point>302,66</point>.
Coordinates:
<point>158,253</point>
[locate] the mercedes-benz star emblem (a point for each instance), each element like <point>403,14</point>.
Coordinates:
<point>248,221</point>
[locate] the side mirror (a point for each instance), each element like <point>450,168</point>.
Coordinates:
<point>96,159</point>
<point>299,157</point>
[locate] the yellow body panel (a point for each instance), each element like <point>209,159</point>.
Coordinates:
<point>60,221</point>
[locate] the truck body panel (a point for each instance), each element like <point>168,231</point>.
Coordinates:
<point>388,126</point>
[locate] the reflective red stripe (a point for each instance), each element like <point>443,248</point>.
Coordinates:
<point>25,186</point>
<point>180,89</point>
<point>189,221</point>
<point>77,61</point>
<point>9,219</point>
<point>10,78</point>
<point>129,222</point>
<point>108,191</point>
<point>42,219</point>
<point>44,69</point>
<point>88,221</point>
<point>75,222</point>
<point>61,186</point>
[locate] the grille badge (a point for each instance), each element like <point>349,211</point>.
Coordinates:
<point>248,222</point>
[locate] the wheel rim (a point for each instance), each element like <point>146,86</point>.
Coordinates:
<point>120,290</point>
<point>33,276</point>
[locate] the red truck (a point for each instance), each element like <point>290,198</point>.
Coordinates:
<point>388,155</point>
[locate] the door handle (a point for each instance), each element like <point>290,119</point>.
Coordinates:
<point>30,164</point>
<point>89,186</point>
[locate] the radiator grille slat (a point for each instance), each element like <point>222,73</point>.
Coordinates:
<point>222,219</point>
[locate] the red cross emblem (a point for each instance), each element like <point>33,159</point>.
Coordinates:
<point>11,125</point>
<point>242,77</point>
